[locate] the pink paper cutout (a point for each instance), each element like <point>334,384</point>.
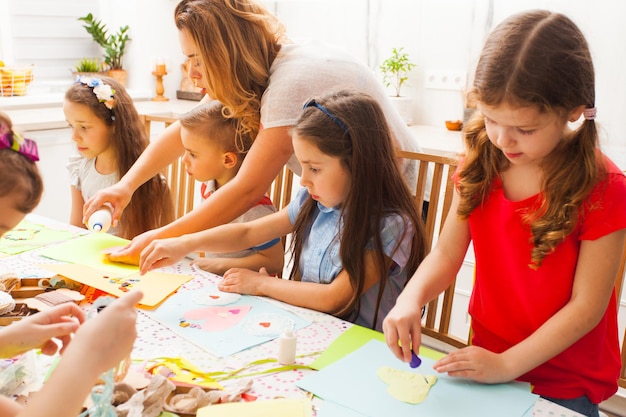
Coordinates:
<point>218,318</point>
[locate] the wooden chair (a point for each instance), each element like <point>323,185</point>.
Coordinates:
<point>437,321</point>
<point>281,187</point>
<point>182,187</point>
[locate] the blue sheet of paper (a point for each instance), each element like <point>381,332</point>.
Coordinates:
<point>217,328</point>
<point>353,383</point>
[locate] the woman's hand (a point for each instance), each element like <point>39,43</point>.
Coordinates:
<point>117,195</point>
<point>38,330</point>
<point>130,254</point>
<point>403,328</point>
<point>244,281</point>
<point>477,364</point>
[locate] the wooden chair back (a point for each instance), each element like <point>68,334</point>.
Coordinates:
<point>281,188</point>
<point>182,187</point>
<point>438,313</point>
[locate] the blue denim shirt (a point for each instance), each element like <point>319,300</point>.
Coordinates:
<point>320,261</point>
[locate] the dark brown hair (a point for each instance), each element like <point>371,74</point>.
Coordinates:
<point>536,59</point>
<point>151,205</point>
<point>377,186</point>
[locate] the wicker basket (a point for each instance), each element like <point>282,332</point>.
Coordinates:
<point>14,80</point>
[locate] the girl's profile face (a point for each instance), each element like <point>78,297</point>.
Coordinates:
<point>523,134</point>
<point>91,135</point>
<point>189,48</point>
<point>10,216</point>
<point>326,177</point>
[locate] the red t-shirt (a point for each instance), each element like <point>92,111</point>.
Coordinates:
<point>510,300</point>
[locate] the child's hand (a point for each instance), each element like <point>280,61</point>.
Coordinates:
<point>243,281</point>
<point>403,329</point>
<point>103,341</point>
<point>38,330</point>
<point>162,252</point>
<point>477,364</point>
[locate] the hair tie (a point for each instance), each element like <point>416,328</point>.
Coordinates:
<point>104,93</point>
<point>590,113</point>
<point>313,103</point>
<point>14,141</point>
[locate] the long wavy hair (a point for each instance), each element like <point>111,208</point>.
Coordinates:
<point>536,59</point>
<point>19,174</point>
<point>377,187</point>
<point>151,205</point>
<point>238,41</point>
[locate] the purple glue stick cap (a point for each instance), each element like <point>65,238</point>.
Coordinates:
<point>415,360</point>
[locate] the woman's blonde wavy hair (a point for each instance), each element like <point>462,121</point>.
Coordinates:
<point>538,59</point>
<point>237,40</point>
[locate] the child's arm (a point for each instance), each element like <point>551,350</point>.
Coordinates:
<point>328,298</point>
<point>272,259</point>
<point>99,345</point>
<point>230,237</point>
<point>597,267</point>
<point>76,215</point>
<point>433,276</point>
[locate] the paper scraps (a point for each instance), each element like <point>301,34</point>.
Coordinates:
<point>406,386</point>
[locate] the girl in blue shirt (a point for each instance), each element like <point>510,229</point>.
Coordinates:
<point>357,235</point>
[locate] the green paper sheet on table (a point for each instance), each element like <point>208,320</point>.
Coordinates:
<point>89,250</point>
<point>352,339</point>
<point>28,235</point>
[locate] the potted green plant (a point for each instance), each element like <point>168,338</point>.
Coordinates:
<point>114,45</point>
<point>87,66</point>
<point>395,70</point>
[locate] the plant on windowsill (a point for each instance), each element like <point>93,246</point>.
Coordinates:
<point>114,45</point>
<point>90,67</point>
<point>395,70</point>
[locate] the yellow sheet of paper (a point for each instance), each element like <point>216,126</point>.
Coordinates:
<point>156,286</point>
<point>406,386</point>
<point>269,408</point>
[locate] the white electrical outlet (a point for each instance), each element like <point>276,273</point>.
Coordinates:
<point>445,79</point>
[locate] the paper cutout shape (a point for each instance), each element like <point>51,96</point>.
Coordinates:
<point>271,324</point>
<point>220,343</point>
<point>268,408</point>
<point>336,383</point>
<point>405,386</point>
<point>88,250</point>
<point>215,297</point>
<point>156,286</point>
<point>217,319</point>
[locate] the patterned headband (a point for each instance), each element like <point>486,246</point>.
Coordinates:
<point>104,93</point>
<point>12,140</point>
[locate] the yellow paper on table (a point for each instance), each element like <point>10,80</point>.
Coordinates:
<point>156,286</point>
<point>269,408</point>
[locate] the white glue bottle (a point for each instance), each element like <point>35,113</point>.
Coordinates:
<point>287,347</point>
<point>100,220</point>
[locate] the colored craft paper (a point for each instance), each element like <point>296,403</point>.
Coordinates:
<point>156,286</point>
<point>176,313</point>
<point>28,235</point>
<point>88,250</point>
<point>269,408</point>
<point>352,382</point>
<point>352,339</point>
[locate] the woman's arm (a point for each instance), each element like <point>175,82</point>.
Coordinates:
<point>76,215</point>
<point>433,276</point>
<point>230,237</point>
<point>597,266</point>
<point>269,153</point>
<point>161,152</point>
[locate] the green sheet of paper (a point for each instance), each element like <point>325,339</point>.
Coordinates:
<point>28,235</point>
<point>352,339</point>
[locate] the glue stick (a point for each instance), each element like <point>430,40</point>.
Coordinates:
<point>287,347</point>
<point>100,220</point>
